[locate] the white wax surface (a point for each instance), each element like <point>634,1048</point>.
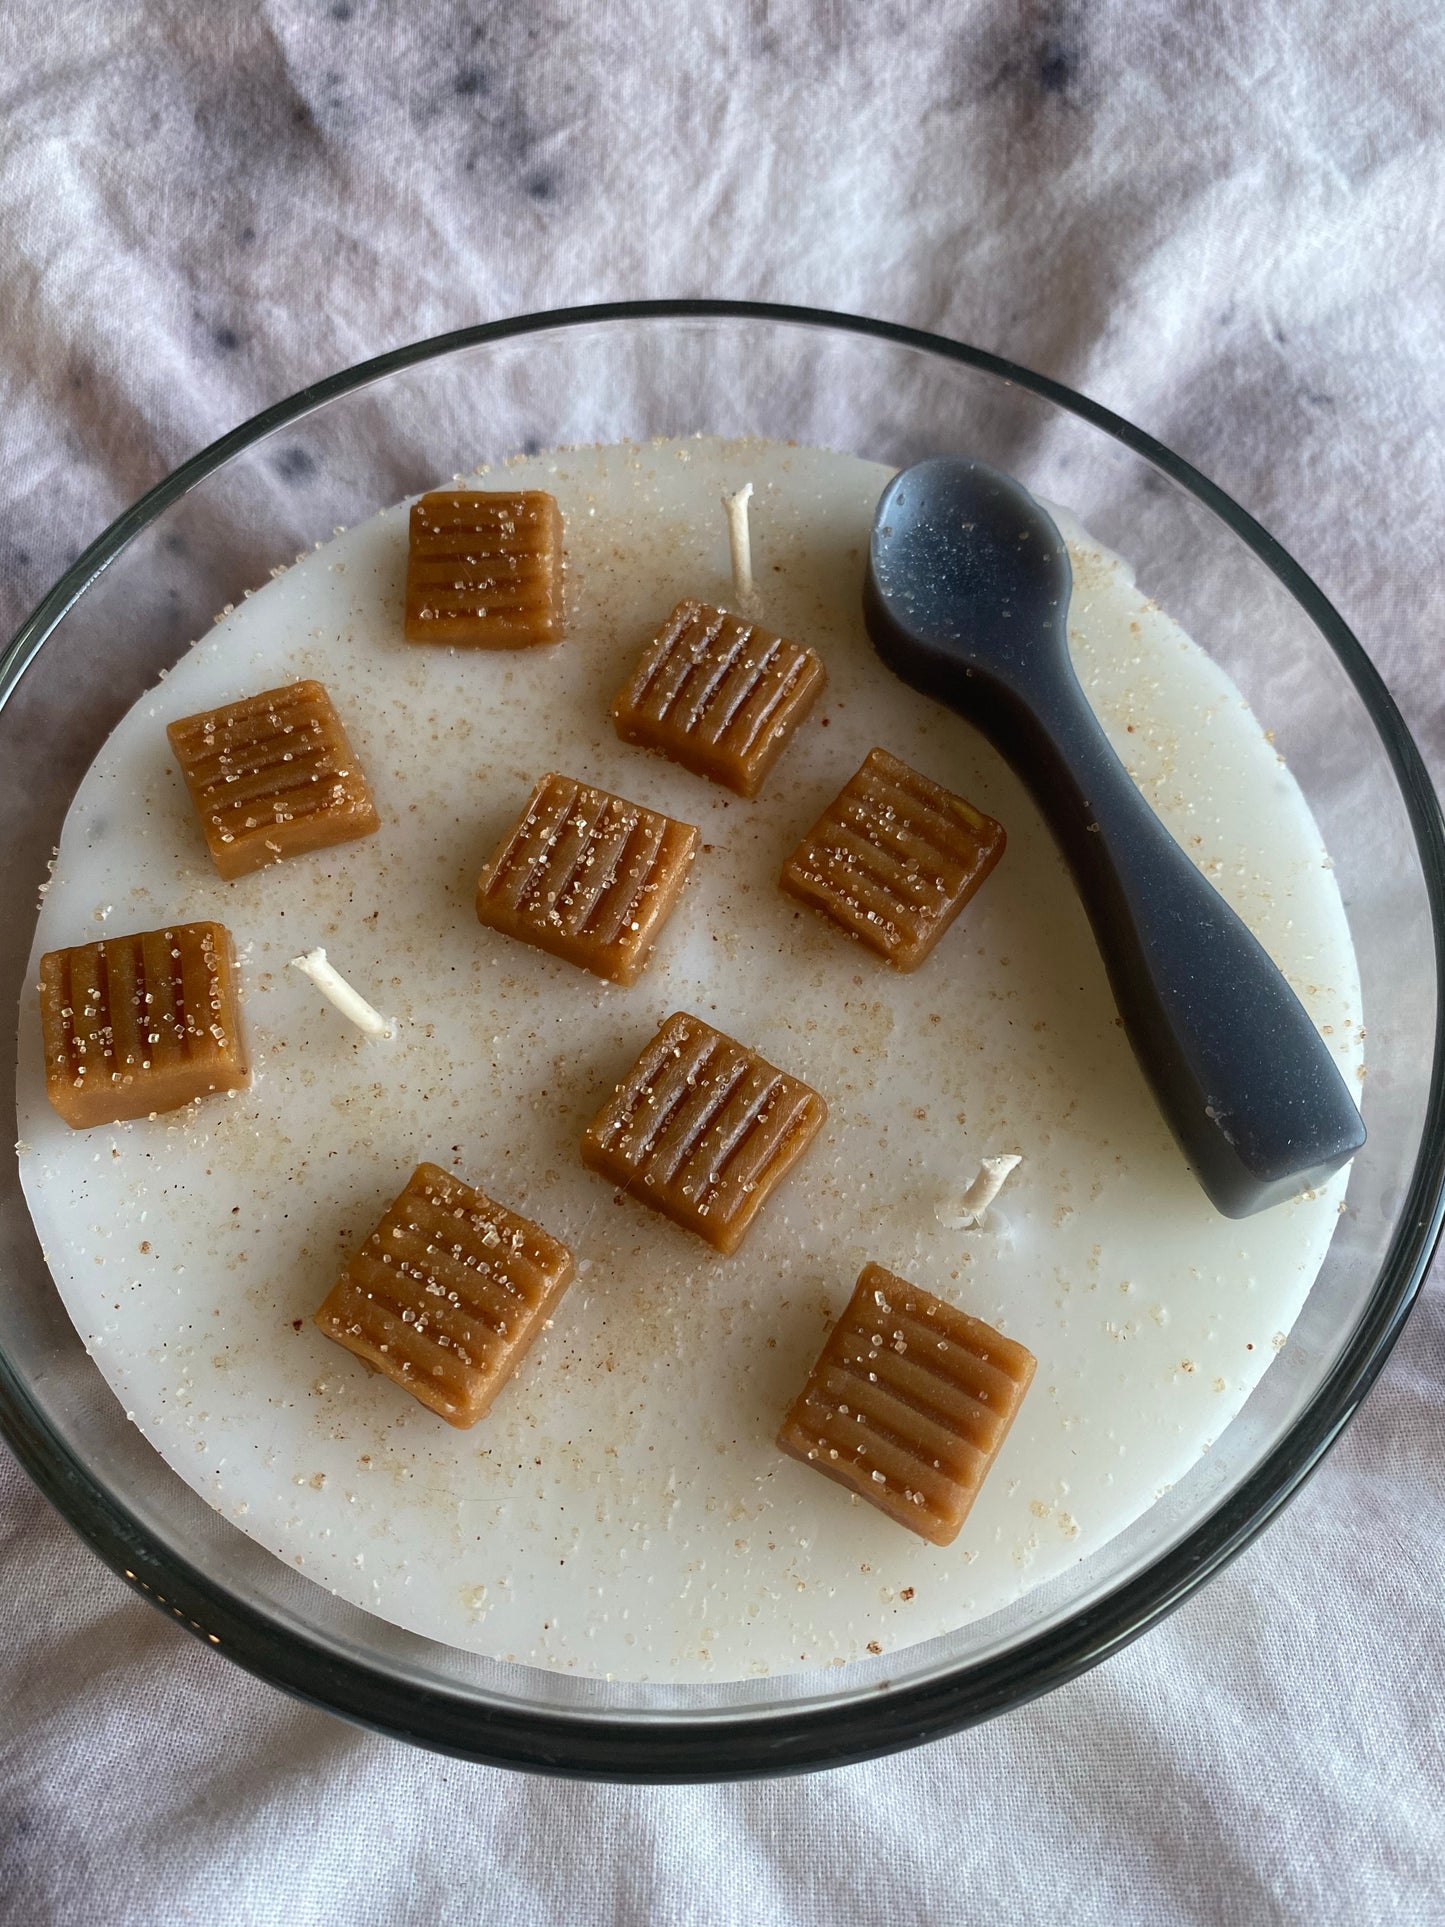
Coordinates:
<point>623,1508</point>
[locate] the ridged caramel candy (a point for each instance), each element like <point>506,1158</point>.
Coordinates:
<point>447,1294</point>
<point>140,1023</point>
<point>272,776</point>
<point>909,1404</point>
<point>719,695</point>
<point>893,859</point>
<point>587,876</point>
<point>485,569</point>
<point>702,1129</point>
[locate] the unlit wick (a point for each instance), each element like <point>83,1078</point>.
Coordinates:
<point>332,985</point>
<point>740,541</point>
<point>968,1212</point>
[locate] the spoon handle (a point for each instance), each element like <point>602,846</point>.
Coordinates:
<point>1243,1078</point>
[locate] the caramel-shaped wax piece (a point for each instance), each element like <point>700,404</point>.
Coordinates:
<point>587,876</point>
<point>484,569</point>
<point>893,859</point>
<point>718,695</point>
<point>140,1024</point>
<point>908,1404</point>
<point>447,1294</point>
<point>703,1130</point>
<point>272,776</point>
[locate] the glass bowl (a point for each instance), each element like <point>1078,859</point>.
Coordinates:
<point>337,452</point>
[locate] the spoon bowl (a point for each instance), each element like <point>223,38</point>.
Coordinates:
<point>966,573</point>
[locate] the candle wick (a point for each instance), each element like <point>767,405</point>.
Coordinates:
<point>740,541</point>
<point>968,1212</point>
<point>333,986</point>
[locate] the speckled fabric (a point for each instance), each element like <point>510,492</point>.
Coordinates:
<point>1222,220</point>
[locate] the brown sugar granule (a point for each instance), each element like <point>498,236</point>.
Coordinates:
<point>908,1404</point>
<point>272,776</point>
<point>702,1129</point>
<point>718,695</point>
<point>893,859</point>
<point>140,1023</point>
<point>447,1294</point>
<point>484,569</point>
<point>587,876</point>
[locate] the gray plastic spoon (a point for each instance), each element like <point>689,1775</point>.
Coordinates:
<point>966,598</point>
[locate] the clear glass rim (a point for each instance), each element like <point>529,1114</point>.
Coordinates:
<point>674,1747</point>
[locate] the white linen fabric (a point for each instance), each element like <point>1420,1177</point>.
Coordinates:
<point>1220,218</point>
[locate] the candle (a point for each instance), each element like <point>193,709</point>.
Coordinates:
<point>623,1509</point>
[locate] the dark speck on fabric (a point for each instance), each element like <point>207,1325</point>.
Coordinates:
<point>1058,65</point>
<point>1058,57</point>
<point>15,1828</point>
<point>226,339</point>
<point>294,464</point>
<point>488,115</point>
<point>1043,60</point>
